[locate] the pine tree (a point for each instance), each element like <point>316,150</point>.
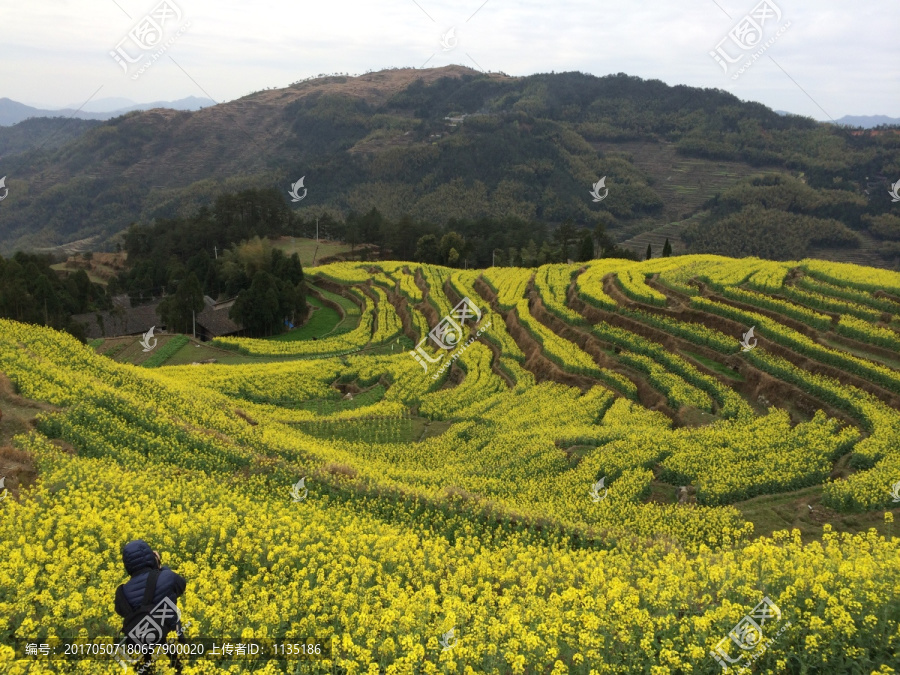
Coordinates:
<point>587,248</point>
<point>177,311</point>
<point>427,250</point>
<point>546,254</point>
<point>529,254</point>
<point>667,249</point>
<point>649,252</point>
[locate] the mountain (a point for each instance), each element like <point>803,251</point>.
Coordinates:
<point>868,121</point>
<point>188,103</point>
<point>863,121</point>
<point>453,143</point>
<point>46,133</point>
<point>108,104</point>
<point>13,112</point>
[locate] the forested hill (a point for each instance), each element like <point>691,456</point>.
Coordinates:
<point>450,142</point>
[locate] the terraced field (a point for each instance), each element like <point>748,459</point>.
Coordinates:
<point>683,183</point>
<point>657,237</point>
<point>596,477</point>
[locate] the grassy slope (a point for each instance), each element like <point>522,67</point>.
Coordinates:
<point>323,321</point>
<point>307,249</point>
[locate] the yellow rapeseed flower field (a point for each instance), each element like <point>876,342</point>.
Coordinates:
<point>494,513</point>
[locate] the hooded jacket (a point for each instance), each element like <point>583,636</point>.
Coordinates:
<point>139,561</point>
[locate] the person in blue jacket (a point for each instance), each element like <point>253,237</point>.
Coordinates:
<point>140,560</point>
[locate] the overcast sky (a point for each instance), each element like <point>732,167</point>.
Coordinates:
<point>836,57</point>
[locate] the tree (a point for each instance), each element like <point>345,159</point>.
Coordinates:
<point>529,254</point>
<point>565,234</point>
<point>427,250</point>
<point>45,298</point>
<point>401,237</point>
<point>884,226</point>
<point>667,249</point>
<point>450,242</point>
<point>285,268</point>
<point>616,252</point>
<point>546,254</point>
<point>291,301</point>
<point>81,287</point>
<point>649,252</point>
<point>249,213</point>
<point>604,241</point>
<point>586,250</point>
<point>257,307</point>
<point>352,231</point>
<point>177,311</point>
<point>200,263</point>
<point>371,228</point>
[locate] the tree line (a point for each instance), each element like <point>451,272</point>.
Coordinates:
<point>32,292</point>
<point>220,251</point>
<point>225,251</point>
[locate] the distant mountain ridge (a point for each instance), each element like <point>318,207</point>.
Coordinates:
<point>13,112</point>
<point>438,144</point>
<point>863,121</point>
<point>868,121</point>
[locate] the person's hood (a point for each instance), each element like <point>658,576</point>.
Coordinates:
<point>138,555</point>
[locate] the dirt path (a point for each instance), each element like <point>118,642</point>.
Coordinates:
<point>17,467</point>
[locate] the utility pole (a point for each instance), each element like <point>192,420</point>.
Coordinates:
<point>194,317</point>
<point>317,230</point>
